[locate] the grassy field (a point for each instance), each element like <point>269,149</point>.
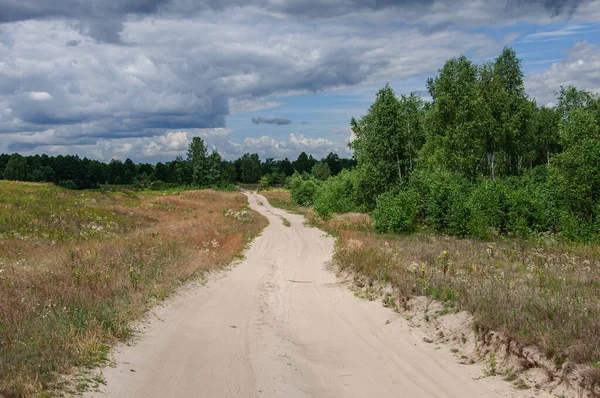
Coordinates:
<point>77,267</point>
<point>540,292</point>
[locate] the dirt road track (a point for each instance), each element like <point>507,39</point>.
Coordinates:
<point>278,325</point>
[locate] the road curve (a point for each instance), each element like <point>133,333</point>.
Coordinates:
<point>279,325</point>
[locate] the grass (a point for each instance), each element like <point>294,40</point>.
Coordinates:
<point>281,199</point>
<point>285,221</point>
<point>541,292</point>
<point>77,267</point>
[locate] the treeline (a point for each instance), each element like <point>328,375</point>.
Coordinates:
<point>200,168</point>
<point>481,158</point>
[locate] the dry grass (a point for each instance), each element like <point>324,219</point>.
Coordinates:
<point>281,199</point>
<point>76,267</point>
<point>541,292</point>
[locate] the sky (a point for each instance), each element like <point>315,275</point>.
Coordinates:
<point>140,78</point>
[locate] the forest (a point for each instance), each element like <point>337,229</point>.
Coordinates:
<point>199,169</point>
<point>481,158</point>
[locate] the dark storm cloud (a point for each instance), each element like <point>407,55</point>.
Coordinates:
<point>20,10</point>
<point>100,19</point>
<point>277,120</point>
<point>103,20</point>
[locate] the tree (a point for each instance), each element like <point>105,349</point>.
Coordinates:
<point>285,166</point>
<point>577,168</point>
<point>411,114</point>
<point>130,171</point>
<point>455,119</point>
<point>334,163</point>
<point>303,164</point>
<point>503,92</point>
<point>161,172</point>
<point>250,170</point>
<point>545,132</point>
<point>321,171</point>
<point>212,175</point>
<point>379,147</point>
<point>17,168</point>
<point>116,172</point>
<point>206,169</point>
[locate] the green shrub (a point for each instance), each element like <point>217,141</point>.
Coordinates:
<point>304,191</point>
<point>396,212</point>
<point>264,183</point>
<point>69,184</point>
<point>518,205</point>
<point>337,195</point>
<point>487,204</point>
<point>444,195</point>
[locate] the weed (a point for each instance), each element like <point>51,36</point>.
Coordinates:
<point>285,221</point>
<point>76,267</point>
<point>511,375</point>
<point>521,385</point>
<point>491,364</point>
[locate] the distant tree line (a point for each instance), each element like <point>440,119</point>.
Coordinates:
<point>199,168</point>
<point>481,158</point>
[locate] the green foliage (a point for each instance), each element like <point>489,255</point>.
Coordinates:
<point>250,168</point>
<point>303,190</point>
<point>337,194</point>
<point>444,195</point>
<point>481,159</point>
<point>69,184</point>
<point>396,211</point>
<point>16,168</point>
<point>387,140</point>
<point>264,183</point>
<point>576,171</point>
<point>205,168</point>
<point>321,171</point>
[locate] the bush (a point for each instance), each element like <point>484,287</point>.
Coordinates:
<point>264,183</point>
<point>303,192</point>
<point>68,184</point>
<point>337,195</point>
<point>444,195</point>
<point>521,206</point>
<point>488,207</point>
<point>396,212</point>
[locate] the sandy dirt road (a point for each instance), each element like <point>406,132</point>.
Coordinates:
<point>279,325</point>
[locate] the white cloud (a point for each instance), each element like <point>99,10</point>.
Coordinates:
<point>40,96</point>
<point>299,141</point>
<point>580,68</point>
<point>177,140</point>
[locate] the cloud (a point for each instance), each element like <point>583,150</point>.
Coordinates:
<point>276,120</point>
<point>299,141</point>
<point>40,96</point>
<point>579,68</point>
<point>88,76</point>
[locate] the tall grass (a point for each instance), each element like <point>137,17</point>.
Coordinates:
<point>76,267</point>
